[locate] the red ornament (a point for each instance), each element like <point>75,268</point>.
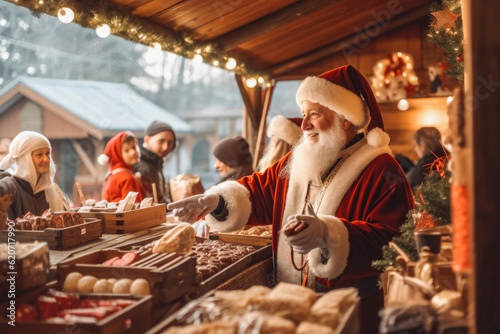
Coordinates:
<point>460,57</point>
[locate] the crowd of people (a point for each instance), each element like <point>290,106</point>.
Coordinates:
<point>331,171</point>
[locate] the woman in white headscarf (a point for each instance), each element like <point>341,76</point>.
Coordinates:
<point>28,173</point>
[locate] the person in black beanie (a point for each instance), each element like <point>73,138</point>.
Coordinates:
<point>233,159</point>
<point>159,141</point>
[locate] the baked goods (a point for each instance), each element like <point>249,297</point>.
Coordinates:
<point>86,284</point>
<point>214,255</point>
<point>180,239</point>
<point>215,327</point>
<point>261,231</point>
<point>140,287</point>
<point>307,327</point>
<point>327,309</point>
<point>71,282</point>
<point>122,285</point>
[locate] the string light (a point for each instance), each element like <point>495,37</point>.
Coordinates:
<point>251,83</point>
<point>449,99</point>
<point>231,64</point>
<point>261,80</point>
<point>197,59</point>
<point>65,15</point>
<point>105,18</point>
<point>103,30</point>
<point>403,105</point>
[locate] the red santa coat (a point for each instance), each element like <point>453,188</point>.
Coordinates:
<point>364,206</point>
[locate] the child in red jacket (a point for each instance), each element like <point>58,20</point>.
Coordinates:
<point>122,154</point>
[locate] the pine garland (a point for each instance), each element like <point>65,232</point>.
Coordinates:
<point>432,198</point>
<point>452,40</point>
<point>123,23</point>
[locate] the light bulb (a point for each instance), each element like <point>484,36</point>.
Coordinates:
<point>197,59</point>
<point>215,63</point>
<point>449,99</point>
<point>261,80</point>
<point>231,64</point>
<point>251,83</point>
<point>403,105</point>
<point>103,30</point>
<point>65,15</point>
<point>156,46</point>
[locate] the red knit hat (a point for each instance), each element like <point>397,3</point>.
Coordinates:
<point>113,152</point>
<point>345,91</point>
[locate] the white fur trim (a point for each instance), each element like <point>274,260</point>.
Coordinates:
<point>338,250</point>
<point>335,97</point>
<point>237,199</point>
<point>103,159</point>
<point>284,129</point>
<point>378,138</point>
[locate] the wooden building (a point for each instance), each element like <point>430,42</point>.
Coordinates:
<point>291,39</point>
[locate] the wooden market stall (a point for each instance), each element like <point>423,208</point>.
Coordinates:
<point>268,41</point>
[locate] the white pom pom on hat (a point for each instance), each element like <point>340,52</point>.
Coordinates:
<point>103,159</point>
<point>378,138</point>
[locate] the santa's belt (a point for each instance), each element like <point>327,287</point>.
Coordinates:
<point>366,286</point>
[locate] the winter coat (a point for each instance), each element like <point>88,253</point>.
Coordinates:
<point>150,170</point>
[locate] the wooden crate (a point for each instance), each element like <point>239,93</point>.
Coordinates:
<point>133,319</point>
<point>261,254</point>
<point>130,221</point>
<point>62,238</point>
<point>240,239</point>
<point>171,277</point>
<point>30,270</point>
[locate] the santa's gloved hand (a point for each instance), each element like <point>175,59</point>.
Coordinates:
<point>314,235</point>
<point>191,209</point>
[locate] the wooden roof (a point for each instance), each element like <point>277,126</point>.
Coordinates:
<point>278,37</point>
<point>272,37</point>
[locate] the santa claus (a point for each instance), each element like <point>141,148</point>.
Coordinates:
<point>345,186</point>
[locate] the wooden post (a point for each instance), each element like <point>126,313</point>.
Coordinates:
<point>261,137</point>
<point>482,98</point>
<point>80,193</point>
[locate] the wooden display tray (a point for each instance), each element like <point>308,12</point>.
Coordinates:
<point>61,238</point>
<point>31,270</point>
<point>241,239</point>
<point>235,268</point>
<point>130,221</point>
<point>349,322</point>
<point>172,277</point>
<point>133,319</point>
<point>263,252</point>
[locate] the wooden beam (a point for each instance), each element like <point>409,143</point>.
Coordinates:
<point>270,22</point>
<point>348,42</point>
<point>261,137</point>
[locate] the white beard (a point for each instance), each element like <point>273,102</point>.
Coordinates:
<point>312,160</point>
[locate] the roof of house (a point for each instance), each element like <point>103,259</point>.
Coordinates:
<point>106,106</point>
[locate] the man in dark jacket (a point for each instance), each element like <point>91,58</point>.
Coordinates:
<point>159,141</point>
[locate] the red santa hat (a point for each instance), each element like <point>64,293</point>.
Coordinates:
<point>345,91</point>
<point>113,152</point>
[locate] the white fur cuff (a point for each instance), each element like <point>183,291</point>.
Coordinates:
<point>239,207</point>
<point>338,249</point>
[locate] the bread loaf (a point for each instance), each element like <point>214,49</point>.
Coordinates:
<point>180,239</point>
